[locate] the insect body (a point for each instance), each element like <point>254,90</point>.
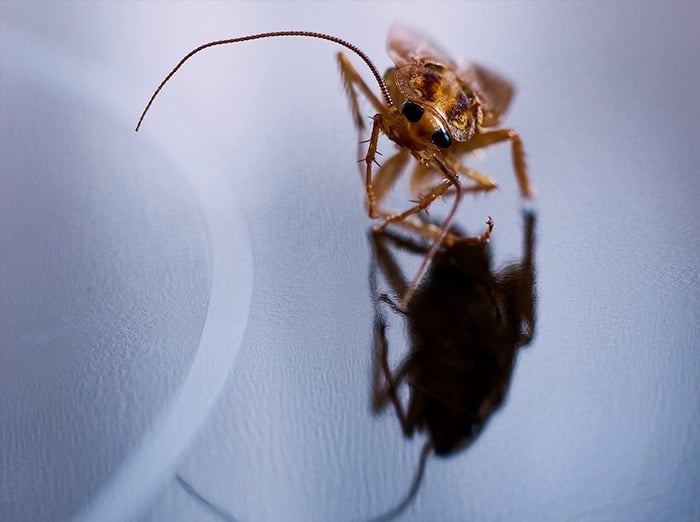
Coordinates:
<point>433,109</point>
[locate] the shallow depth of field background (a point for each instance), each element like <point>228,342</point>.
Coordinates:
<point>193,300</point>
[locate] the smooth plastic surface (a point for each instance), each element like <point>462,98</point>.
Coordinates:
<point>115,247</point>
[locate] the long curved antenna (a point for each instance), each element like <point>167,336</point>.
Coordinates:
<point>308,34</point>
<point>411,495</point>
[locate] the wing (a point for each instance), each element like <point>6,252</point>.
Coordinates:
<point>408,47</point>
<point>494,91</point>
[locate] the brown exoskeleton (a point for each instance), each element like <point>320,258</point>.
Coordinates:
<point>433,109</point>
<point>465,325</point>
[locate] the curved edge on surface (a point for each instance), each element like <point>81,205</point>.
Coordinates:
<point>153,462</point>
<point>150,465</point>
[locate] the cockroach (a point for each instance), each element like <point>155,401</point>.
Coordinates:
<point>432,108</point>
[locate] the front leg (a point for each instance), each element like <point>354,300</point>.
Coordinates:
<point>354,85</point>
<point>423,203</point>
<point>369,160</point>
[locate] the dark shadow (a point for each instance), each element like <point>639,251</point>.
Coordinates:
<point>465,324</point>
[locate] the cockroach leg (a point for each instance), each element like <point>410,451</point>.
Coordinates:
<point>422,172</point>
<point>487,138</point>
<point>353,81</point>
<point>369,159</point>
<point>423,203</point>
<point>483,183</point>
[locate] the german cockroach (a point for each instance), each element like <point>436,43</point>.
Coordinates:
<point>432,108</point>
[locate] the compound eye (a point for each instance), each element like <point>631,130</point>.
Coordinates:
<point>441,139</point>
<point>412,111</point>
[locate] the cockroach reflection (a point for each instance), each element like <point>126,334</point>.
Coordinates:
<point>434,109</point>
<point>465,325</point>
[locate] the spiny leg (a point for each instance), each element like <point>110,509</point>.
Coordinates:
<point>385,178</point>
<point>369,159</point>
<point>423,203</point>
<point>481,184</point>
<point>429,230</point>
<point>488,138</point>
<point>354,84</point>
<point>386,175</point>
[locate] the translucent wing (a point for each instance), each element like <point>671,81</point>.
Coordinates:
<point>494,91</point>
<point>409,47</point>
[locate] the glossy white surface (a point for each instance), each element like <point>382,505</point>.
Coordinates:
<point>127,268</point>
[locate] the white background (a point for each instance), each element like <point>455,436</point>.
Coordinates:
<point>193,299</point>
